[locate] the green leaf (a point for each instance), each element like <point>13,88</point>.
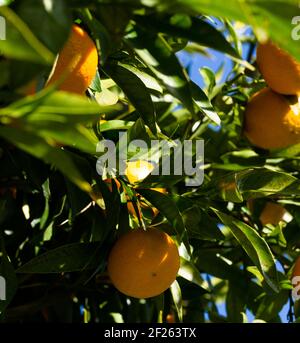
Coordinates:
<point>49,21</point>
<point>241,159</point>
<point>271,305</point>
<point>67,258</point>
<point>100,34</point>
<point>61,107</point>
<point>255,183</point>
<point>78,199</point>
<point>39,148</point>
<point>159,57</point>
<point>272,17</point>
<point>57,117</point>
<point>255,246</point>
<point>235,302</point>
<point>228,189</point>
<point>212,262</point>
<point>200,225</point>
<point>159,302</point>
<point>176,294</point>
<point>116,125</point>
<point>138,131</point>
<point>20,42</point>
<point>209,78</point>
<point>192,29</point>
<point>290,151</point>
<point>76,136</point>
<point>168,208</point>
<point>190,272</point>
<point>136,91</point>
<point>47,195</point>
<point>150,81</point>
<point>204,104</point>
<point>264,182</point>
<point>279,15</point>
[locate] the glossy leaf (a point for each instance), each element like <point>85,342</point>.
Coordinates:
<point>273,17</point>
<point>159,57</point>
<point>39,147</point>
<point>255,246</point>
<point>168,208</point>
<point>176,294</point>
<point>67,258</point>
<point>136,92</point>
<point>21,43</point>
<point>190,272</point>
<point>193,29</point>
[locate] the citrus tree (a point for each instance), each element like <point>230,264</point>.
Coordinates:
<point>82,241</point>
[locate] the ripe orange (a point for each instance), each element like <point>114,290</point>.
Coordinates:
<point>77,63</point>
<point>272,213</point>
<point>280,70</point>
<point>270,121</point>
<point>143,263</point>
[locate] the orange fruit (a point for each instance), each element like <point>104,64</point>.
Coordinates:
<point>143,263</point>
<point>280,70</point>
<point>77,63</point>
<point>270,121</point>
<point>272,214</point>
